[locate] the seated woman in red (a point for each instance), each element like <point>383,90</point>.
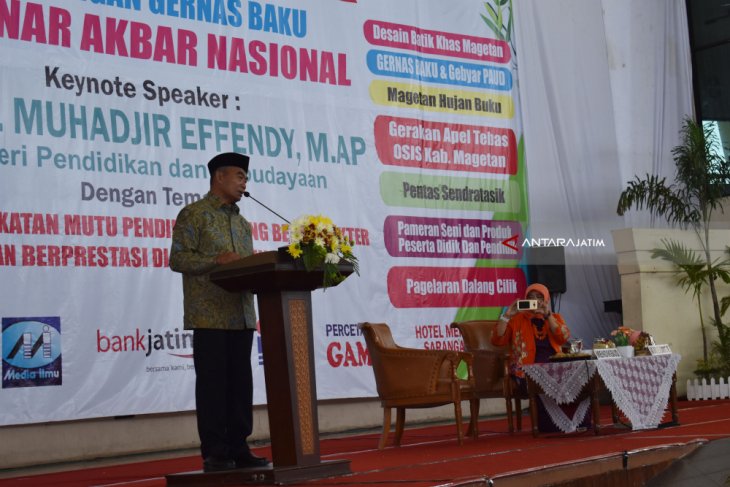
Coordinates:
<point>533,336</point>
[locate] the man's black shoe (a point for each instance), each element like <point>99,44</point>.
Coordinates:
<point>218,464</point>
<point>247,459</point>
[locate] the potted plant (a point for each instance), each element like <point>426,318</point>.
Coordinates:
<point>701,176</point>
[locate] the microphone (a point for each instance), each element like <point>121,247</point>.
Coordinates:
<point>248,195</point>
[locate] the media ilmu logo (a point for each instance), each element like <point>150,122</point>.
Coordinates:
<point>31,352</point>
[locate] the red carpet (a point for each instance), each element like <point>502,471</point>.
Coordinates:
<point>430,456</point>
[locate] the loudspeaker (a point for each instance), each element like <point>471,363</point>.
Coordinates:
<point>546,265</point>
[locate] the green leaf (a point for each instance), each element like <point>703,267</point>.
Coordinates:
<point>508,37</point>
<point>720,271</point>
<point>312,256</point>
<point>492,13</point>
<point>660,199</point>
<point>700,177</point>
<point>493,27</point>
<point>692,271</point>
<point>724,305</point>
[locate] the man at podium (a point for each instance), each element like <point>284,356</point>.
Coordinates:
<point>207,233</point>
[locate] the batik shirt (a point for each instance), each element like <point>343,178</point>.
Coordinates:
<point>204,230</point>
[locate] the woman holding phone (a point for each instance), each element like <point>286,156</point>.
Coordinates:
<point>533,335</point>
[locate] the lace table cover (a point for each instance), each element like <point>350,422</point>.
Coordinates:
<point>639,386</point>
<point>562,381</point>
<point>565,423</point>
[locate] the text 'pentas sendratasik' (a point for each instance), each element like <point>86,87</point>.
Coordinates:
<point>320,244</point>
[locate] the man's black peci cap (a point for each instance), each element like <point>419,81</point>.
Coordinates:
<point>228,159</point>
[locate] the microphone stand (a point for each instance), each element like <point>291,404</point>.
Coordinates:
<point>248,195</point>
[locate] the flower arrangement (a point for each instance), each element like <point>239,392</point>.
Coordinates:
<point>621,336</point>
<point>320,243</point>
<point>642,342</point>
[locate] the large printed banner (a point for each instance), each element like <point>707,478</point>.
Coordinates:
<point>399,120</point>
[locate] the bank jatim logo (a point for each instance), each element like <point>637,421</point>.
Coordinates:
<point>178,343</point>
<point>31,352</point>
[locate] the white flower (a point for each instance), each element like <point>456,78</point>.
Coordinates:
<point>331,258</point>
<point>298,223</point>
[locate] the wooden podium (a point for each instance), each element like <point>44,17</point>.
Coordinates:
<point>283,290</point>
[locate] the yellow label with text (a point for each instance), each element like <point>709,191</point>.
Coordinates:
<point>407,95</point>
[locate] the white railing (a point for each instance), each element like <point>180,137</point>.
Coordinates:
<point>698,390</point>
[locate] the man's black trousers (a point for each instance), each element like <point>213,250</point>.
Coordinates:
<point>223,390</point>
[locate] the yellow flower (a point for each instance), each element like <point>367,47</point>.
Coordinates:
<point>294,250</point>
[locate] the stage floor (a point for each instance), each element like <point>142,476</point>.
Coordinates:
<point>430,456</point>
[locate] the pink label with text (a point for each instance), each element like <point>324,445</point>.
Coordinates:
<point>403,36</point>
<point>411,142</point>
<point>454,287</point>
<point>413,236</point>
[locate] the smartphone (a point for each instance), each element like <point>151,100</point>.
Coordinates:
<point>526,304</point>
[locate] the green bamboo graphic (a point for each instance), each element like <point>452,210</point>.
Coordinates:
<point>498,10</point>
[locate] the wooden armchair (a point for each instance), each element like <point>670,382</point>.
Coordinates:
<point>416,378</point>
<point>491,367</point>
